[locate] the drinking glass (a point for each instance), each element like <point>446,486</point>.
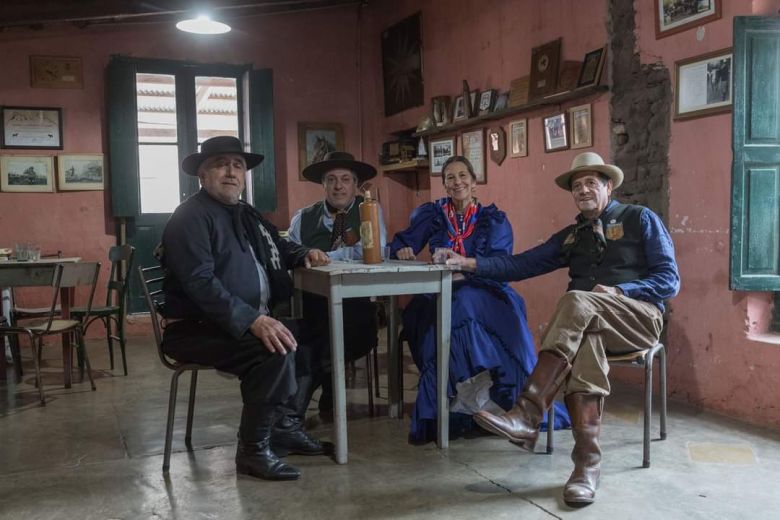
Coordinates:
<point>386,253</point>
<point>33,252</point>
<point>21,252</point>
<point>347,253</point>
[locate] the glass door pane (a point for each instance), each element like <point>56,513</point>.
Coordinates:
<point>216,100</point>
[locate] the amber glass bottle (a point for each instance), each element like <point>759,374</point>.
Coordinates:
<point>369,230</point>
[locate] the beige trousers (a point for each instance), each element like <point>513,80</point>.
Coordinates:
<point>587,325</point>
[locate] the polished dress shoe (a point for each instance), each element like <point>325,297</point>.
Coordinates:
<point>298,442</point>
<point>258,460</point>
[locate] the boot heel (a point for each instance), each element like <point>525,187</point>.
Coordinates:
<point>526,444</point>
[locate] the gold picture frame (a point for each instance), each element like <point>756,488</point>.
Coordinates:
<point>315,140</point>
<point>80,172</point>
<point>518,138</point>
<point>581,126</point>
<point>472,145</point>
<point>56,72</point>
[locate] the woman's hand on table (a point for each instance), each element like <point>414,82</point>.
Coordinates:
<point>405,253</point>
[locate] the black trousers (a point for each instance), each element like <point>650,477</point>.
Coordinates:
<point>267,379</point>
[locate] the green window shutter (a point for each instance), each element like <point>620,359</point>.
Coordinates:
<point>122,138</point>
<point>261,138</point>
<point>755,214</point>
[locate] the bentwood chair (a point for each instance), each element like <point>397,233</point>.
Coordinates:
<point>64,276</point>
<point>151,283</point>
<point>115,309</point>
<point>642,359</point>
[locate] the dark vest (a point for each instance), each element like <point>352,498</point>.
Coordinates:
<point>313,230</point>
<point>624,259</point>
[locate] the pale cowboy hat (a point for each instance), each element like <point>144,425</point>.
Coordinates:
<point>338,160</point>
<point>217,146</point>
<point>590,162</point>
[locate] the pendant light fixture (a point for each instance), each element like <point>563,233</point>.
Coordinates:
<point>202,24</point>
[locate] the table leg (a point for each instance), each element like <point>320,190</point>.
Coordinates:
<point>395,373</point>
<point>5,295</point>
<point>66,295</point>
<point>443,310</point>
<point>337,367</point>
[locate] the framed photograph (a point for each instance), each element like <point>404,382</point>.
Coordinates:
<point>458,109</point>
<point>518,138</point>
<point>80,172</point>
<point>440,151</point>
<point>555,133</point>
<point>592,65</point>
<point>497,144</point>
<point>581,126</point>
<point>673,16</point>
<point>501,102</point>
<point>473,149</point>
<point>19,173</point>
<point>56,72</point>
<point>486,100</point>
<point>474,96</point>
<point>544,69</point>
<point>315,140</point>
<point>703,85</point>
<point>32,128</point>
<point>441,110</point>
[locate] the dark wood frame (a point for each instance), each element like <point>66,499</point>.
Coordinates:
<point>599,54</point>
<point>453,139</point>
<point>552,50</point>
<point>3,144</point>
<point>692,114</point>
<point>565,132</point>
<point>303,129</point>
<point>492,93</point>
<point>497,156</point>
<point>510,137</point>
<point>718,12</point>
<point>570,113</point>
<point>47,72</point>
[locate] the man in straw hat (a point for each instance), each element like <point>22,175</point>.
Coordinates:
<point>225,268</point>
<point>621,264</point>
<point>333,225</point>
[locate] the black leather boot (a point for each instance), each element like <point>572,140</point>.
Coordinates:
<point>254,455</point>
<point>289,436</point>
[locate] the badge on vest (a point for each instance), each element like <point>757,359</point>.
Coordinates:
<point>614,230</point>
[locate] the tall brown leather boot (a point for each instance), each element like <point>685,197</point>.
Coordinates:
<point>521,424</point>
<point>585,410</point>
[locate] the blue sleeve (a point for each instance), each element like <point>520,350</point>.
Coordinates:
<point>663,282</point>
<point>294,232</point>
<point>501,238</point>
<point>539,260</point>
<point>419,231</point>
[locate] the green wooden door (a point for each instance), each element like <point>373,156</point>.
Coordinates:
<point>755,213</point>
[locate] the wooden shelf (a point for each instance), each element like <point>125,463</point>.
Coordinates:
<point>553,99</point>
<point>412,165</point>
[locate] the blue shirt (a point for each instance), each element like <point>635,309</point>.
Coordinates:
<point>662,282</point>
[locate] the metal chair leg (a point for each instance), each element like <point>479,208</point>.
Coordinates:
<point>191,410</point>
<point>375,358</point>
<point>662,388</point>
<point>120,331</point>
<point>648,411</point>
<point>169,424</point>
<point>16,355</point>
<point>83,347</point>
<point>37,345</point>
<point>550,428</point>
<point>110,340</point>
<point>370,376</point>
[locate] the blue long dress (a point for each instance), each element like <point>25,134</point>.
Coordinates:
<point>489,329</point>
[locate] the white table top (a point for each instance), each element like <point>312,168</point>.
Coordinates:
<point>42,261</point>
<point>387,266</point>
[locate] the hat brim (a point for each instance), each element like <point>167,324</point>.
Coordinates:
<point>192,162</point>
<point>315,171</point>
<point>613,172</point>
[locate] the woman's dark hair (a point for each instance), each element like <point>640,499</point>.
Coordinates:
<point>454,159</point>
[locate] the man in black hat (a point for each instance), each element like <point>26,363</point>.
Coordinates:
<point>225,268</point>
<point>333,225</point>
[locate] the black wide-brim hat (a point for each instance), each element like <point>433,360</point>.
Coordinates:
<point>338,160</point>
<point>217,146</point>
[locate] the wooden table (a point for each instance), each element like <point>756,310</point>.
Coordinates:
<point>38,273</point>
<point>341,280</point>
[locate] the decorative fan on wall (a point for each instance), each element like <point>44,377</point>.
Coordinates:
<point>402,65</point>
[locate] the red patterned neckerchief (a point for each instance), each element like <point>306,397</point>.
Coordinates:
<point>456,233</point>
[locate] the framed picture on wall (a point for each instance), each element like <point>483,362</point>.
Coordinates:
<point>56,72</point>
<point>555,133</point>
<point>518,138</point>
<point>80,172</point>
<point>497,144</point>
<point>473,146</point>
<point>673,16</point>
<point>20,173</point>
<point>441,110</point>
<point>315,140</point>
<point>441,150</point>
<point>592,65</point>
<point>703,85</point>
<point>581,126</point>
<point>32,128</point>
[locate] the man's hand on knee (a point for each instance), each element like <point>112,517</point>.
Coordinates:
<point>274,335</point>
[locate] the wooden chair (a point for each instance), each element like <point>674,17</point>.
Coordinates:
<point>151,283</point>
<point>642,359</point>
<point>67,275</point>
<point>115,309</point>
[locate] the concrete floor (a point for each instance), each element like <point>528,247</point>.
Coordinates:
<point>98,455</point>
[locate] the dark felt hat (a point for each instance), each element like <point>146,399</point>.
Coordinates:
<point>217,146</point>
<point>334,160</point>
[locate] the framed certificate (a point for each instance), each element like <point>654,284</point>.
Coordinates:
<point>32,128</point>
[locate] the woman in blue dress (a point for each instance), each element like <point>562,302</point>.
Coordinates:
<point>489,329</point>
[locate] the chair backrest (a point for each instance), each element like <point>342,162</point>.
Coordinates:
<point>71,275</point>
<point>121,258</point>
<point>151,284</point>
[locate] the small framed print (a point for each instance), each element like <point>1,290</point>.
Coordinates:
<point>703,85</point>
<point>19,173</point>
<point>56,72</point>
<point>473,146</point>
<point>458,109</point>
<point>581,126</point>
<point>80,172</point>
<point>501,102</point>
<point>441,110</point>
<point>315,140</point>
<point>673,16</point>
<point>555,133</point>
<point>486,101</point>
<point>592,65</point>
<point>518,138</point>
<point>32,128</point>
<point>440,151</point>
